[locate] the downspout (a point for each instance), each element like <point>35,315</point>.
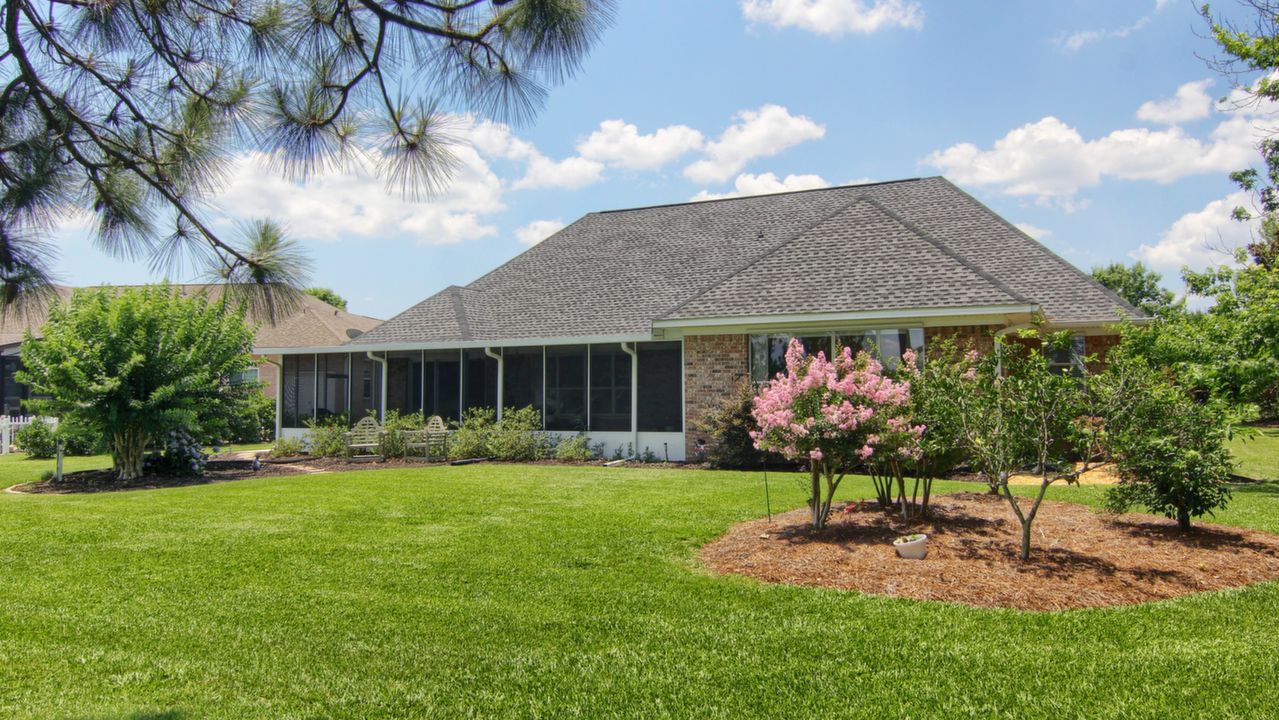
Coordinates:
<point>279,394</point>
<point>381,361</point>
<point>629,349</point>
<point>489,351</point>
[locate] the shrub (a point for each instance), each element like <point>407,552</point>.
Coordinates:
<point>183,454</point>
<point>730,426</point>
<point>38,439</point>
<point>576,448</point>
<point>393,443</point>
<point>518,437</point>
<point>1170,450</point>
<point>255,420</point>
<point>470,438</point>
<point>327,437</point>
<point>288,447</point>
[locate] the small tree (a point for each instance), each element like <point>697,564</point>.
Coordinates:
<point>935,389</point>
<point>133,364</point>
<point>835,416</point>
<point>1170,449</point>
<point>328,296</point>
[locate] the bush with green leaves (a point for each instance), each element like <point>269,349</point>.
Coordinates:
<point>37,439</point>
<point>182,454</point>
<point>470,436</point>
<point>393,443</point>
<point>518,436</point>
<point>729,427</point>
<point>577,448</point>
<point>132,364</point>
<point>327,437</point>
<point>1169,448</point>
<point>255,421</point>
<point>288,447</point>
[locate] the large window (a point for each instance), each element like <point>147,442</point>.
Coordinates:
<point>442,383</point>
<point>1069,358</point>
<point>404,381</point>
<point>566,387</point>
<point>479,378</point>
<point>768,353</point>
<point>298,392</point>
<point>522,378</point>
<point>887,345</point>
<point>661,390</point>
<point>610,388</point>
<point>366,387</point>
<point>333,385</point>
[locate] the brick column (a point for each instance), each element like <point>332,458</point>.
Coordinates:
<point>714,365</point>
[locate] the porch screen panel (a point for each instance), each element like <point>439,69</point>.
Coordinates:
<point>610,388</point>
<point>479,379</point>
<point>366,387</point>
<point>298,401</point>
<point>660,387</point>
<point>443,383</point>
<point>404,381</point>
<point>333,374</point>
<point>566,387</point>
<point>522,378</point>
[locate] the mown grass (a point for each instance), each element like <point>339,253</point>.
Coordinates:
<point>512,591</point>
<point>1256,452</point>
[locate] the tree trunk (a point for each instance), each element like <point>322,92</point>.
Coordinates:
<point>815,504</point>
<point>1025,540</point>
<point>1183,518</point>
<point>128,450</point>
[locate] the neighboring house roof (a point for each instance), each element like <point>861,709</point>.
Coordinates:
<point>901,245</point>
<point>312,323</point>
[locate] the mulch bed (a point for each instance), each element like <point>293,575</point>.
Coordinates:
<point>91,481</point>
<point>1080,558</point>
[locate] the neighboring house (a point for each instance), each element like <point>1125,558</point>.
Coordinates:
<point>312,322</point>
<point>631,324</point>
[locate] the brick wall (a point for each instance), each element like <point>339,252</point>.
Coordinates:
<point>1099,345</point>
<point>714,365</point>
<point>266,373</point>
<point>978,337</point>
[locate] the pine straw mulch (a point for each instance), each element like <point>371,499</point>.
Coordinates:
<point>1080,557</point>
<point>93,481</point>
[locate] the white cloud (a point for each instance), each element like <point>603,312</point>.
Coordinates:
<point>1201,238</point>
<point>835,17</point>
<point>1077,40</point>
<point>538,230</point>
<point>1050,160</point>
<point>620,144</point>
<point>569,174</point>
<point>335,204</point>
<point>767,183</point>
<point>757,133</point>
<point>1034,230</point>
<point>1191,102</point>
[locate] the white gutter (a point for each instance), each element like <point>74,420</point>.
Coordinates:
<point>629,349</point>
<point>489,351</point>
<point>381,361</point>
<point>454,344</point>
<point>899,314</point>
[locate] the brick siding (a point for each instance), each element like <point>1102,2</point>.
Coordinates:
<point>714,365</point>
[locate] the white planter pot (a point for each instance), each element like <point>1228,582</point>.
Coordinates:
<point>912,549</point>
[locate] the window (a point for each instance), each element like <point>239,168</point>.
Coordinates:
<point>366,387</point>
<point>298,398</point>
<point>661,387</point>
<point>404,381</point>
<point>248,375</point>
<point>522,378</point>
<point>479,379</point>
<point>768,353</point>
<point>610,388</point>
<point>442,382</point>
<point>566,387</point>
<point>1068,359</point>
<point>887,345</point>
<point>333,385</point>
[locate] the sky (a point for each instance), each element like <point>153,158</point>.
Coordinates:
<point>1094,125</point>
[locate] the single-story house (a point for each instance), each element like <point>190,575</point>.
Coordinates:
<point>311,322</point>
<point>630,324</point>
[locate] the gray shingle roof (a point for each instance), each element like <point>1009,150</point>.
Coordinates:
<point>908,244</point>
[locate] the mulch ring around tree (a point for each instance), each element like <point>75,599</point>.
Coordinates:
<point>1080,557</point>
<point>93,481</point>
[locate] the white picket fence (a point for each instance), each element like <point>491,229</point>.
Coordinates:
<point>9,427</point>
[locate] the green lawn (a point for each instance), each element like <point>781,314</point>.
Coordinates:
<point>1257,454</point>
<point>508,591</point>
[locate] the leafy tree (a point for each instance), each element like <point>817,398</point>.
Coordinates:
<point>134,364</point>
<point>1137,284</point>
<point>935,389</point>
<point>131,111</point>
<point>729,426</point>
<point>1170,449</point>
<point>328,296</point>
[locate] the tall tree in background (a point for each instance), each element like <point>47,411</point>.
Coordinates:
<point>129,111</point>
<point>328,296</point>
<point>1137,284</point>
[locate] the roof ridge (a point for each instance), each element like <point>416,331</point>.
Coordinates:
<point>1124,304</point>
<point>951,252</point>
<point>459,310</point>
<point>760,195</point>
<point>768,251</point>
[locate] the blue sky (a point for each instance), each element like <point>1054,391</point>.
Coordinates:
<point>1093,124</point>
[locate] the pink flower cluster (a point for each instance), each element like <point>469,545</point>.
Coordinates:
<point>835,411</point>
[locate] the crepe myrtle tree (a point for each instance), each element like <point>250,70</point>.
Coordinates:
<point>133,364</point>
<point>129,113</point>
<point>834,415</point>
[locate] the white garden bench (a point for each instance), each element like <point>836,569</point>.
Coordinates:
<point>366,436</point>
